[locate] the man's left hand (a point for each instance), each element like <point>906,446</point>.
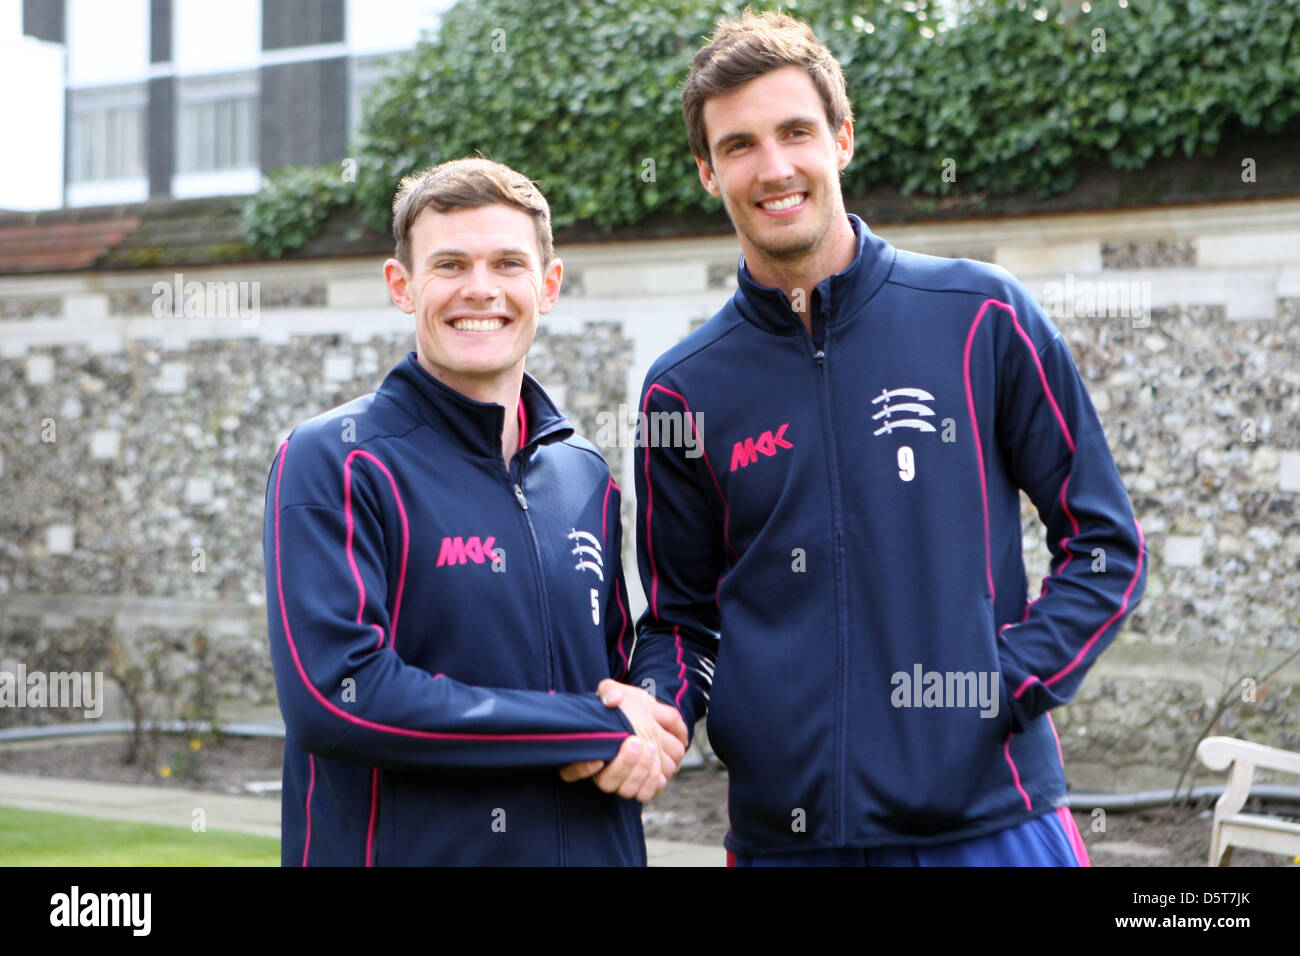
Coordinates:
<point>667,733</point>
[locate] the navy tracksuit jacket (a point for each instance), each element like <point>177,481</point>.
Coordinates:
<point>839,576</point>
<point>438,626</point>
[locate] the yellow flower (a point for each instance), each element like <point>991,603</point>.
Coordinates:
<point>196,744</point>
<point>164,771</point>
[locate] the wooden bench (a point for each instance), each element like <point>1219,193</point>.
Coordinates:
<point>1230,827</point>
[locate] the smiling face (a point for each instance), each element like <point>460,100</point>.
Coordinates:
<point>775,163</point>
<point>477,287</point>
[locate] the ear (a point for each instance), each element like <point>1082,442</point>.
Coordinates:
<point>399,285</point>
<point>844,144</point>
<point>551,280</point>
<point>707,179</point>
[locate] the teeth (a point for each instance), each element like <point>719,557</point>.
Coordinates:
<point>477,325</point>
<point>786,203</point>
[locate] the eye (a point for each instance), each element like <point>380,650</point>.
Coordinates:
<point>447,265</point>
<point>512,264</point>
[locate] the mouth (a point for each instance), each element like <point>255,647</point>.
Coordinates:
<point>480,323</point>
<point>788,204</point>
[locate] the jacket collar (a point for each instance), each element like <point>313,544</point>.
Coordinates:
<point>474,425</point>
<point>839,297</point>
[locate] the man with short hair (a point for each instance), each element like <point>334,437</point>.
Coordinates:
<point>444,581</point>
<point>839,577</point>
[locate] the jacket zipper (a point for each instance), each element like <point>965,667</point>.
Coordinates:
<point>842,649</point>
<point>517,483</point>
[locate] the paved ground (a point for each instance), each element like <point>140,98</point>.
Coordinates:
<point>259,815</point>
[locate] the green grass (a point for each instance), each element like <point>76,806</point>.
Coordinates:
<point>36,838</point>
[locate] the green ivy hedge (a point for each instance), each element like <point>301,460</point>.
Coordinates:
<point>583,96</point>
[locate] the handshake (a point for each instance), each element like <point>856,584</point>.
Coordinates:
<point>645,762</point>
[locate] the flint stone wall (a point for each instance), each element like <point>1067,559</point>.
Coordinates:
<point>165,429</point>
<point>131,541</point>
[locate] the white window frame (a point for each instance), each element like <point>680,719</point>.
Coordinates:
<point>216,134</point>
<point>106,134</point>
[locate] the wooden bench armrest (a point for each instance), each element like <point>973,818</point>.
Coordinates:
<point>1218,753</point>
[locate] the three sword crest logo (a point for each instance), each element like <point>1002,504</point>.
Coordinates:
<point>913,408</point>
<point>588,552</point>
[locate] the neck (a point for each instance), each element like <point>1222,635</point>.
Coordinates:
<point>798,277</point>
<point>503,389</point>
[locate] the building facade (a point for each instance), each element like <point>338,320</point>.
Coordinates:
<point>188,98</point>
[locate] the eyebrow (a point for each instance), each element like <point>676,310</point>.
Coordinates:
<point>517,252</point>
<point>729,138</point>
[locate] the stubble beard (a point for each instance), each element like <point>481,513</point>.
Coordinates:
<point>795,250</point>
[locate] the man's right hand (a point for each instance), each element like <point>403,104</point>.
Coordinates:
<point>645,762</point>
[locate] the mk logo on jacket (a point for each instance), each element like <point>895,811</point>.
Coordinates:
<point>746,452</point>
<point>460,550</point>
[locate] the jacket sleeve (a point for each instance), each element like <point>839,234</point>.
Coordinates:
<point>1052,441</point>
<point>619,627</point>
<point>679,552</point>
<point>343,690</point>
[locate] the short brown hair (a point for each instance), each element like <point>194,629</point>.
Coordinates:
<point>467,184</point>
<point>745,49</point>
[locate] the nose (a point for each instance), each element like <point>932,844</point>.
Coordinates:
<point>480,284</point>
<point>774,167</point>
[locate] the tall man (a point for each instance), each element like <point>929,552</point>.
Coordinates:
<point>444,583</point>
<point>847,551</point>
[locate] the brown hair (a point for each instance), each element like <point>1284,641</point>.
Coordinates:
<point>745,49</point>
<point>467,184</point>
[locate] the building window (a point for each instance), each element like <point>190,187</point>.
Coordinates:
<point>366,72</point>
<point>106,133</point>
<point>217,127</point>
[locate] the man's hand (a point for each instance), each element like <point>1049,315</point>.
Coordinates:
<point>645,762</point>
